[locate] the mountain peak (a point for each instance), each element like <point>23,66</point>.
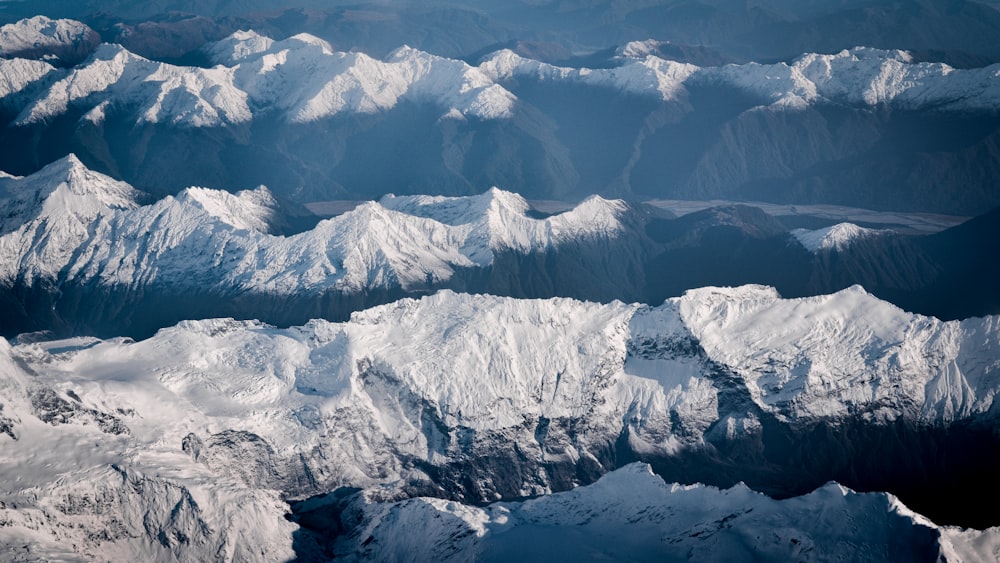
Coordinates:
<point>253,210</point>
<point>301,40</point>
<point>238,46</point>
<point>836,238</point>
<point>42,37</point>
<point>460,210</point>
<point>65,186</point>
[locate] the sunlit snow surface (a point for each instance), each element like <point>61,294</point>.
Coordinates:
<point>218,417</point>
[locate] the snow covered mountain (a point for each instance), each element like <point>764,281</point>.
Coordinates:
<point>306,80</point>
<point>39,37</point>
<point>300,77</point>
<point>70,224</point>
<point>836,237</point>
<point>315,123</point>
<point>631,514</point>
<point>853,77</point>
<point>83,253</point>
<point>480,398</point>
<point>68,229</point>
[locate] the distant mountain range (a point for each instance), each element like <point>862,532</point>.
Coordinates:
<point>861,127</point>
<point>961,33</point>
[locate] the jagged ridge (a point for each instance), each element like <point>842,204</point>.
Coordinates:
<point>306,80</point>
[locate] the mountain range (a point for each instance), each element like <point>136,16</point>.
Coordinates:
<point>483,281</point>
<point>960,33</point>
<point>207,427</point>
<point>861,127</point>
<point>86,254</point>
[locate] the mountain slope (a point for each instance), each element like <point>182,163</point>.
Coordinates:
<point>67,41</point>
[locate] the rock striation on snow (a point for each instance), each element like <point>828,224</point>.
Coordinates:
<point>18,75</point>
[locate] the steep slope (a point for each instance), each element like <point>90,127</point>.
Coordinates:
<point>17,76</point>
<point>155,92</point>
<point>50,214</point>
<point>969,282</point>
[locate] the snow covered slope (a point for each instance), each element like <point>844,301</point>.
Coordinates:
<point>73,488</point>
<point>17,75</point>
<point>646,76</point>
<point>73,225</point>
<point>631,514</point>
<point>464,397</point>
<point>155,92</point>
<point>302,78</point>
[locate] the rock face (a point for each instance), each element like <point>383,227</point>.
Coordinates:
<point>314,123</point>
<point>479,398</point>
